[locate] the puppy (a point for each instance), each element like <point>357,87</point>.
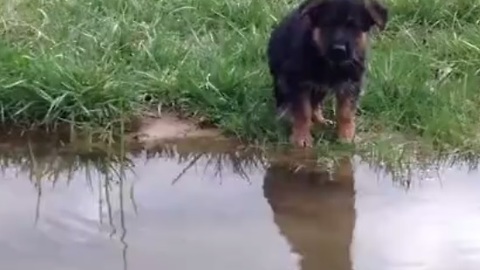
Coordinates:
<point>320,49</point>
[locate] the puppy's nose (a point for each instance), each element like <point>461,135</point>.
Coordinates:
<point>339,52</point>
<point>340,48</point>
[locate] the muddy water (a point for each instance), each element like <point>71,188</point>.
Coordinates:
<point>178,209</point>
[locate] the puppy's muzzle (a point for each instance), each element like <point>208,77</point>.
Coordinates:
<point>339,53</point>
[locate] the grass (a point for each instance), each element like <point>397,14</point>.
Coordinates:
<point>92,64</point>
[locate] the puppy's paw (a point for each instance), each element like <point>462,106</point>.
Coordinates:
<point>346,132</point>
<point>318,118</point>
<point>347,140</point>
<point>324,121</point>
<point>302,140</point>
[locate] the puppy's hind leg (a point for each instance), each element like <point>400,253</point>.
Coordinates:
<point>317,98</point>
<point>281,106</point>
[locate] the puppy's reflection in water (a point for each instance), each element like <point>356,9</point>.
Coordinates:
<point>314,210</point>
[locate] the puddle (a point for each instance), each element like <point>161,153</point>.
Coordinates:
<point>180,208</point>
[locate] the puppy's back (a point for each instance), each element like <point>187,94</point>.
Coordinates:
<point>287,41</point>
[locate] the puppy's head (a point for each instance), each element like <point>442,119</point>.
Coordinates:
<point>340,27</point>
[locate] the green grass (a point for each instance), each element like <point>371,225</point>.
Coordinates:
<point>92,63</point>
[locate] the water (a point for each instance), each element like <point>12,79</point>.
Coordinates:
<point>180,209</point>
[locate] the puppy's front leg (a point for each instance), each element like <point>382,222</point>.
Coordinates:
<point>347,99</point>
<point>301,109</point>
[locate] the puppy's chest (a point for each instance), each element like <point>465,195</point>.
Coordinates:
<point>328,78</point>
<point>316,88</point>
<point>324,74</point>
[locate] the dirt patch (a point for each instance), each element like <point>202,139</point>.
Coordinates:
<point>169,127</point>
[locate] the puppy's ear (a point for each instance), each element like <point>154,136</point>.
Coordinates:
<point>377,13</point>
<point>314,10</point>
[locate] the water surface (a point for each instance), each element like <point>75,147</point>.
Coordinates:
<point>180,208</point>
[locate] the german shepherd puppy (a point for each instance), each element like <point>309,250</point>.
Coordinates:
<point>320,49</point>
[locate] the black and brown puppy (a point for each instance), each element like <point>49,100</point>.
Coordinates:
<point>318,49</point>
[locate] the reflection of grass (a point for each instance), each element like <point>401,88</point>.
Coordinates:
<point>239,161</point>
<point>51,163</point>
<point>402,164</point>
<point>408,163</point>
<point>47,162</point>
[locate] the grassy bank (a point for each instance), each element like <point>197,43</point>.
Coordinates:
<point>92,63</point>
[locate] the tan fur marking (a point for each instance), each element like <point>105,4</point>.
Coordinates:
<point>362,41</point>
<point>318,117</point>
<point>345,120</point>
<point>302,124</point>
<point>317,38</point>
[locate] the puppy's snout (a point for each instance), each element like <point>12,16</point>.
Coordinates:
<point>340,52</point>
<point>340,48</point>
